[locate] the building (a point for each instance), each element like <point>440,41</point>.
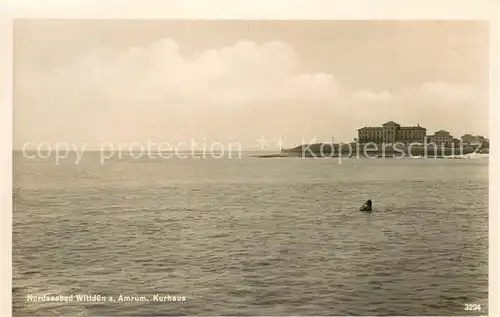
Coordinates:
<point>391,132</point>
<point>472,139</point>
<point>486,143</point>
<point>441,137</point>
<point>467,138</point>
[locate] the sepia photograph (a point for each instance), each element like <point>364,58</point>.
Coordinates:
<point>189,167</point>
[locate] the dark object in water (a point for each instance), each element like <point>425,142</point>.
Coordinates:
<point>367,206</point>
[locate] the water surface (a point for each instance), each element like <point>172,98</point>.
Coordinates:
<point>251,236</point>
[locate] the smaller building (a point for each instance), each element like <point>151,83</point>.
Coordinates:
<point>486,143</point>
<point>441,137</point>
<point>479,139</point>
<point>469,139</point>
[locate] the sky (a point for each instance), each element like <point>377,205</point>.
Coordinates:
<point>119,81</point>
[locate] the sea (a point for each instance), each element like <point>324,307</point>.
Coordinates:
<point>244,235</point>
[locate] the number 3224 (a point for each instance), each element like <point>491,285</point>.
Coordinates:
<point>472,307</point>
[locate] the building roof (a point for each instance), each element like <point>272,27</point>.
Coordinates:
<point>413,128</point>
<point>391,123</point>
<point>417,127</point>
<point>442,132</point>
<point>370,128</point>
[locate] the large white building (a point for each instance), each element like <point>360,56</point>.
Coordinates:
<point>392,132</point>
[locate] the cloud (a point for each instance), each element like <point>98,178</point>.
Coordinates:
<point>448,94</point>
<point>241,73</point>
<point>155,91</point>
<point>371,96</point>
<point>238,92</point>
